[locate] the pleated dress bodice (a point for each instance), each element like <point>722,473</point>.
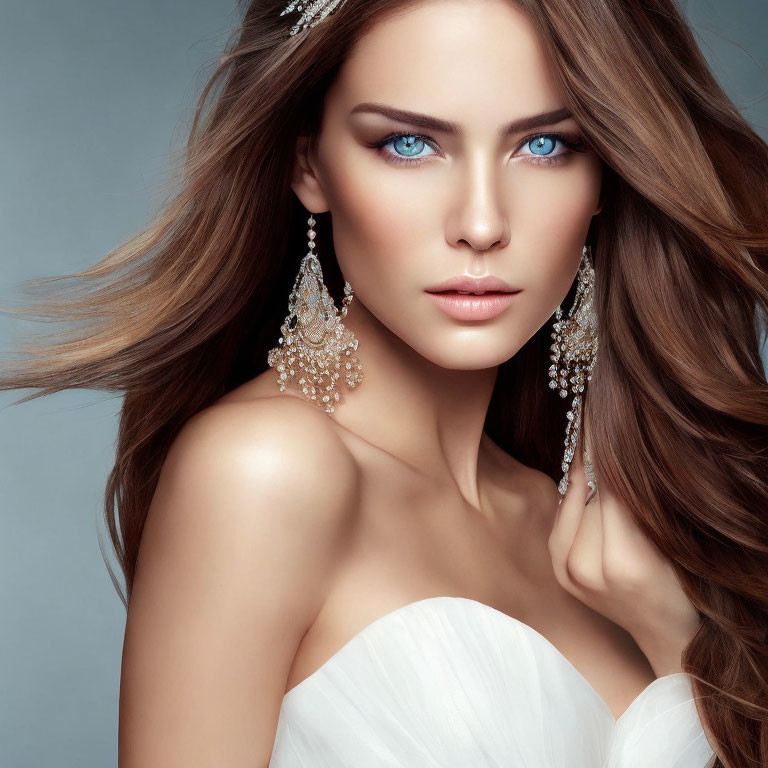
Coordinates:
<point>455,683</point>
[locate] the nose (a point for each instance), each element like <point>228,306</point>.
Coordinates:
<point>478,218</point>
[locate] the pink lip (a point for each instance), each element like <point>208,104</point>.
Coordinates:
<point>476,284</point>
<point>468,307</point>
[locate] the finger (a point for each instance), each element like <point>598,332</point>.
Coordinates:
<point>627,551</point>
<point>569,512</point>
<point>618,524</point>
<point>585,560</point>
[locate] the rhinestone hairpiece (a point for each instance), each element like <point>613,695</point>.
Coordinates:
<point>313,12</point>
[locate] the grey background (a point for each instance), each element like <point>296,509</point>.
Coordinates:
<point>93,95</point>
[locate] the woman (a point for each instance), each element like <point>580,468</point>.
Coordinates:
<point>427,528</point>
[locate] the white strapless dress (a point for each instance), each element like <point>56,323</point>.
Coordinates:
<point>455,683</point>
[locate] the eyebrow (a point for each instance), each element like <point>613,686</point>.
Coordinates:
<point>446,126</point>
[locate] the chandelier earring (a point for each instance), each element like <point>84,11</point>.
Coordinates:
<point>574,353</point>
<point>315,348</point>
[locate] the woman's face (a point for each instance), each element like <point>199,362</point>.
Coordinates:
<point>414,205</point>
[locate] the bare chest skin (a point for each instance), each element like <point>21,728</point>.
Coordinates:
<point>416,537</point>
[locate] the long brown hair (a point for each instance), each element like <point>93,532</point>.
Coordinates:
<point>186,310</point>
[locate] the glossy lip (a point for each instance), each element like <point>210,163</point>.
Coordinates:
<point>477,284</point>
<point>468,307</point>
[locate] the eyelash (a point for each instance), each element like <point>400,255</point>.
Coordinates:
<point>573,143</point>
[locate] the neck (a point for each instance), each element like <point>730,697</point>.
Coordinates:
<point>427,416</point>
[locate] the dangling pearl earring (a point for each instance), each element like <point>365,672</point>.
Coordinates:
<point>314,338</point>
<point>575,338</point>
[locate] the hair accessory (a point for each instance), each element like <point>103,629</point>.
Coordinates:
<point>314,11</point>
<point>575,338</point>
<point>314,338</point>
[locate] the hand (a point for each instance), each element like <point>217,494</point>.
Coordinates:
<point>601,556</point>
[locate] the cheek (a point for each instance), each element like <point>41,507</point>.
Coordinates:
<point>552,213</point>
<point>377,234</point>
<point>555,205</point>
<point>383,249</point>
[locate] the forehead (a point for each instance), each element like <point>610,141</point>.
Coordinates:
<point>472,61</point>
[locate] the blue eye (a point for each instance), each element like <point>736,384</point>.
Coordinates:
<point>407,147</point>
<point>542,146</point>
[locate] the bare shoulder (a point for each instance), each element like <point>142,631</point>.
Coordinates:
<point>275,455</point>
<point>283,438</point>
<point>249,520</point>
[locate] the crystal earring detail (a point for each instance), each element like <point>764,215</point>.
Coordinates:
<point>315,348</point>
<point>575,339</point>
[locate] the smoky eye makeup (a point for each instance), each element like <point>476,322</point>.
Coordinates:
<point>543,148</point>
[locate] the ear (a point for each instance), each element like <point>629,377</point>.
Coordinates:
<point>601,197</point>
<point>306,182</point>
<point>599,207</point>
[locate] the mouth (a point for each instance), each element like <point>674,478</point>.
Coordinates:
<point>473,305</point>
<point>468,284</point>
<point>472,293</point>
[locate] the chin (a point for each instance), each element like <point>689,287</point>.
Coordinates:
<point>468,354</point>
